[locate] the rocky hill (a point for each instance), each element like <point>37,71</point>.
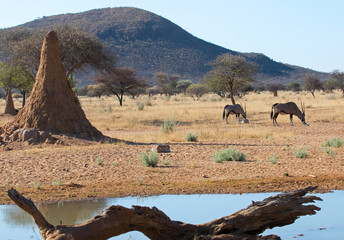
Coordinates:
<point>150,43</point>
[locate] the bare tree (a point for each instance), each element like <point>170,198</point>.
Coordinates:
<point>311,83</point>
<point>120,81</point>
<point>229,72</point>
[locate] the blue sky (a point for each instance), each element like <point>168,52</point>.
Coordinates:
<point>307,33</point>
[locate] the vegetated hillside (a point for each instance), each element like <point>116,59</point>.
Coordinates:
<point>150,43</point>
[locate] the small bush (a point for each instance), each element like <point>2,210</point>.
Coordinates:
<point>334,142</point>
<point>16,95</point>
<point>165,161</point>
<point>100,161</point>
<point>150,160</point>
<point>169,125</point>
<point>37,185</point>
<point>109,108</point>
<point>140,106</point>
<point>58,182</point>
<point>329,151</point>
<point>229,155</point>
<point>300,153</point>
<point>191,137</point>
<point>148,103</point>
<point>273,159</point>
<point>114,163</point>
<point>139,180</point>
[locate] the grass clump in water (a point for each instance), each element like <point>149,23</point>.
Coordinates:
<point>229,154</point>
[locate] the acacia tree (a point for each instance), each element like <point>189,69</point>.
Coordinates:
<point>196,91</point>
<point>120,81</point>
<point>311,83</point>
<point>274,88</point>
<point>330,85</point>
<point>78,49</point>
<point>13,77</point>
<point>294,86</point>
<point>339,79</point>
<point>229,73</point>
<point>182,85</point>
<point>167,84</point>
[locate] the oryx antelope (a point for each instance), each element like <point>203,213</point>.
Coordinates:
<point>288,108</point>
<point>235,109</point>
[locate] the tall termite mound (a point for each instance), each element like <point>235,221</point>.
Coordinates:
<point>9,108</point>
<point>52,105</point>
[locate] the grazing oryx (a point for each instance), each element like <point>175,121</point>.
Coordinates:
<point>235,109</point>
<point>288,108</point>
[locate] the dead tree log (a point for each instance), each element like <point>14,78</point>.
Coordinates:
<point>279,210</point>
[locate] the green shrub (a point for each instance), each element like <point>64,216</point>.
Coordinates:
<point>37,185</point>
<point>109,108</point>
<point>150,160</point>
<point>148,103</point>
<point>16,95</point>
<point>99,161</point>
<point>229,155</point>
<point>273,159</point>
<point>139,180</point>
<point>334,142</point>
<point>165,161</point>
<point>140,106</point>
<point>191,137</point>
<point>329,151</point>
<point>300,153</point>
<point>169,125</point>
<point>58,182</point>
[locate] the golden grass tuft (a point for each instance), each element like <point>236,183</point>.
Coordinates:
<point>203,117</point>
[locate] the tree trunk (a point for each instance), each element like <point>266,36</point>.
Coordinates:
<point>24,97</point>
<point>232,97</point>
<point>279,210</point>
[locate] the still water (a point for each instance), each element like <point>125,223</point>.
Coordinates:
<point>15,224</point>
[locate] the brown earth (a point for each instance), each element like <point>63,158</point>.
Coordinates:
<point>73,171</point>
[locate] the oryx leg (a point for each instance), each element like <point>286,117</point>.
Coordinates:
<point>238,117</point>
<point>291,120</point>
<point>274,119</point>
<point>227,114</point>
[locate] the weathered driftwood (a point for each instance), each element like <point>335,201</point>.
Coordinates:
<point>247,223</point>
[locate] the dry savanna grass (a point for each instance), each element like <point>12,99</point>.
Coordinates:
<point>204,117</point>
<point>111,170</point>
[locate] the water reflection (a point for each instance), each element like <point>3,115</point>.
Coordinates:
<point>195,209</point>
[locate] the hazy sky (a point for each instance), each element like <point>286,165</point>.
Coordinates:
<point>307,33</point>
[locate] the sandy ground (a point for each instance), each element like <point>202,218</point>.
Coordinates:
<point>73,171</point>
